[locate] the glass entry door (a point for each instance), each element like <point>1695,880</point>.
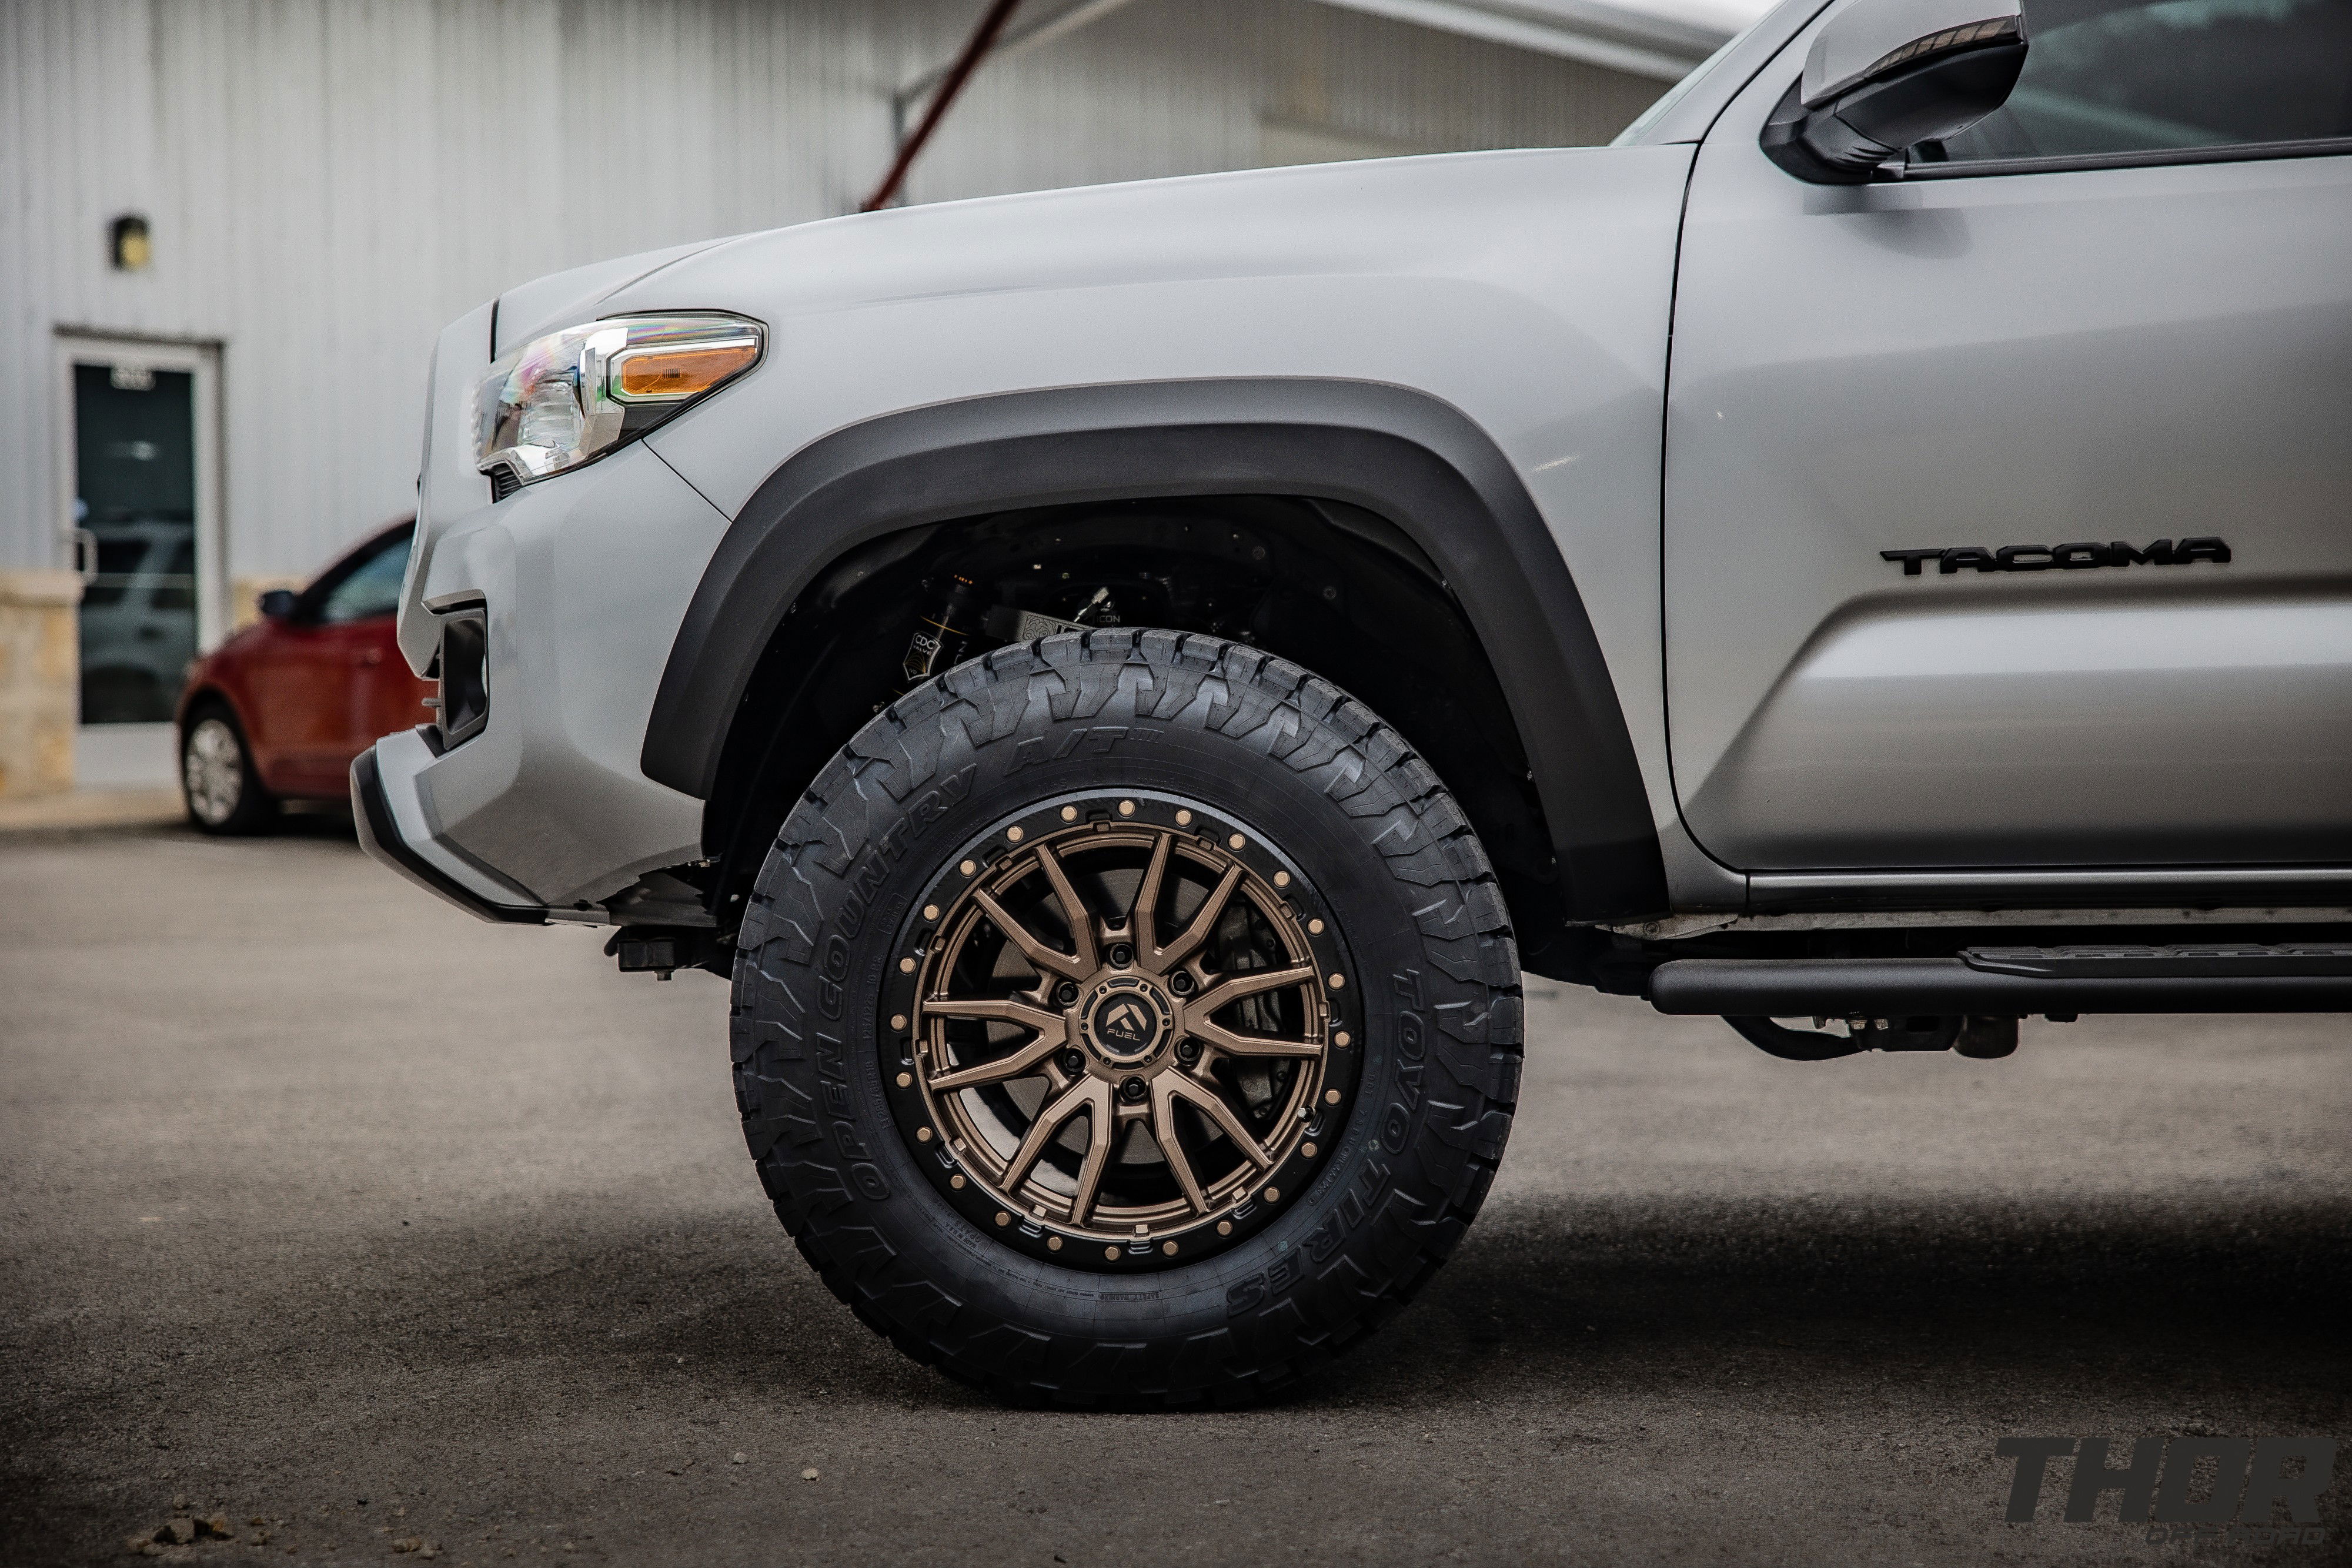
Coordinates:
<point>141,519</point>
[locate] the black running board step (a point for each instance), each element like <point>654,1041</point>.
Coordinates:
<point>2203,977</point>
<point>2188,960</point>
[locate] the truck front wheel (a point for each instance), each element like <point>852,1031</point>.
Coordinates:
<point>1126,1018</point>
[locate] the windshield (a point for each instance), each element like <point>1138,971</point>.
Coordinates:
<point>1724,73</point>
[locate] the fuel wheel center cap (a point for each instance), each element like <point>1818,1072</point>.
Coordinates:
<point>1125,1022</point>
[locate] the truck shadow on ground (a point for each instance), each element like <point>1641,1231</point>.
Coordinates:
<point>1689,1335</point>
<point>1793,1296</point>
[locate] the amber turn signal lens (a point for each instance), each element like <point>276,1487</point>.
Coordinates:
<point>682,371</point>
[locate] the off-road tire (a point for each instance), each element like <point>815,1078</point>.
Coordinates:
<point>1390,856</point>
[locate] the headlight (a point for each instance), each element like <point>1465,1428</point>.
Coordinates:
<point>571,397</point>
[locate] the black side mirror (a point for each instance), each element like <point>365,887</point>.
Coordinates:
<point>277,604</point>
<point>1874,84</point>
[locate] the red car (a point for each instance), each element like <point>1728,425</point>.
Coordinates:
<point>278,712</point>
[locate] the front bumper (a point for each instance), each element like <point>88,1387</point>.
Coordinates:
<point>395,827</point>
<point>577,586</point>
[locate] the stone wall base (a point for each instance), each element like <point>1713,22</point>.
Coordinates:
<point>39,672</point>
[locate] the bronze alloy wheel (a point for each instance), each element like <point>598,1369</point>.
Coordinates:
<point>1119,1032</point>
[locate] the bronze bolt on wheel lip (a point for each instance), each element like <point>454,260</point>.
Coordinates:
<point>1132,1065</point>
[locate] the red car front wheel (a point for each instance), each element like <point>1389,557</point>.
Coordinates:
<point>218,780</point>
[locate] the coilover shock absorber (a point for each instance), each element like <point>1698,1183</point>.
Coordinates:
<point>941,637</point>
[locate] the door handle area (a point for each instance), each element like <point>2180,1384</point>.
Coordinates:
<point>368,656</point>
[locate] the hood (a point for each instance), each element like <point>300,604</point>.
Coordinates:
<point>561,298</point>
<point>1392,214</point>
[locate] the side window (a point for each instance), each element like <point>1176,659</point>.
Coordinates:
<point>2126,75</point>
<point>373,588</point>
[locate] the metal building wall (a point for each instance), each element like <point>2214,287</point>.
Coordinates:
<point>330,181</point>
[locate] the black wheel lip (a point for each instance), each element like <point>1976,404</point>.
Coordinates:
<point>1024,1233</point>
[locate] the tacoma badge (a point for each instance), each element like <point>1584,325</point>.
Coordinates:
<point>2066,558</point>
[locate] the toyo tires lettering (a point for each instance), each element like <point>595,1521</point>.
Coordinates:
<point>1095,740</point>
<point>832,970</point>
<point>1358,1201</point>
<point>1395,1126</point>
<point>1354,1204</point>
<point>1412,1044</point>
<point>866,876</point>
<point>832,1074</point>
<point>1253,1291</point>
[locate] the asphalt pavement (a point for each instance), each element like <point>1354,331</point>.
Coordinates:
<point>357,1226</point>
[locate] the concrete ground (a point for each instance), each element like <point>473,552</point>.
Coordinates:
<point>86,809</point>
<point>328,1207</point>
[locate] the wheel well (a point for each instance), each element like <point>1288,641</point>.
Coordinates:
<point>1332,587</point>
<point>203,700</point>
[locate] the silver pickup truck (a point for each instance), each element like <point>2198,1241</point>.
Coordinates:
<point>1124,680</point>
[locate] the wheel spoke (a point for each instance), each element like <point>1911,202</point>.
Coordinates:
<point>1188,1088</point>
<point>1233,1044</point>
<point>1075,913</point>
<point>1041,954</point>
<point>1006,1010</point>
<point>1101,1128</point>
<point>1163,1130</point>
<point>1091,1095</point>
<point>1250,983</point>
<point>1018,1063</point>
<point>1204,921</point>
<point>1144,918</point>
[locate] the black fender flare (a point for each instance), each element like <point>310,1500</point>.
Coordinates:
<point>1418,462</point>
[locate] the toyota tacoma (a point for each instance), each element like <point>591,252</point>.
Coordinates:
<point>1122,681</point>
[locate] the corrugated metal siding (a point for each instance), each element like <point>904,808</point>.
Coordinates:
<point>330,181</point>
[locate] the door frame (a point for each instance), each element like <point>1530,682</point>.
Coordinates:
<point>200,360</point>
